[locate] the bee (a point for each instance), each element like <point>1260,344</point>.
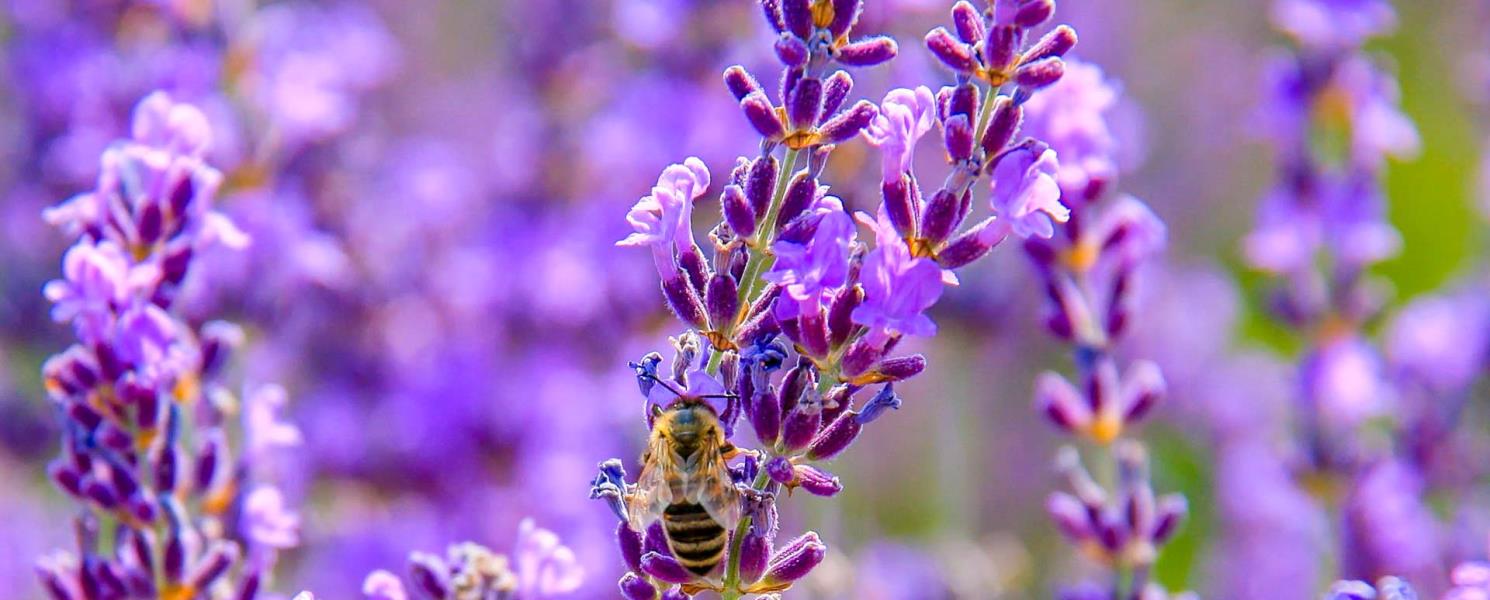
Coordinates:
<point>685,481</point>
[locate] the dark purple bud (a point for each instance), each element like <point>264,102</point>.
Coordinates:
<point>963,101</point>
<point>429,575</point>
<point>56,582</point>
<point>630,542</point>
<point>151,221</point>
<point>1002,127</point>
<point>112,437</point>
<point>1112,531</point>
<point>780,470</point>
<point>860,357</point>
<point>634,587</point>
<point>181,196</point>
<point>835,89</point>
<point>684,301</point>
<point>968,22</point>
<point>1056,43</point>
<point>958,136</point>
<point>758,185</point>
<point>124,482</point>
<point>740,82</point>
<point>66,477</point>
<point>943,213</point>
<point>762,115</point>
<point>765,416</point>
<point>173,267</point>
<point>755,551</point>
<point>1034,13</point>
<point>900,205</point>
<point>840,314</point>
<point>1040,73</point>
<point>791,50</point>
<point>174,559</point>
<point>813,335</point>
<point>691,262</point>
<point>665,568</point>
<point>655,540</point>
<point>803,422</point>
<point>737,211</point>
<point>101,494</point>
<point>141,548</point>
<point>104,577</point>
<point>83,415</point>
<point>799,195</point>
<point>206,470</point>
<point>1061,402</point>
<point>796,559</point>
<point>955,54</point>
<point>847,124</point>
<point>1170,514</point>
<point>805,104</point>
<point>902,367</point>
<point>772,10</point>
<point>972,244</point>
<point>1070,516</point>
<point>834,438</point>
<point>1143,386</point>
<point>218,559</point>
<point>723,301</point>
<point>250,588</point>
<point>796,15</point>
<point>676,593</point>
<point>867,52</point>
<point>1002,47</point>
<point>845,13</point>
<point>817,481</point>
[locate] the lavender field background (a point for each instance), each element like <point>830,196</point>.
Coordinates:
<point>436,320</point>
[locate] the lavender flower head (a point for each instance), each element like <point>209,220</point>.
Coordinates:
<point>539,567</point>
<point>1333,24</point>
<point>1071,117</point>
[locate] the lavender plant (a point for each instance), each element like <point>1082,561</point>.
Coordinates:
<point>166,509</point>
<point>540,567</point>
<point>1088,274</point>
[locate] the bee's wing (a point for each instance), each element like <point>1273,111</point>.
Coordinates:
<point>653,492</point>
<point>710,485</point>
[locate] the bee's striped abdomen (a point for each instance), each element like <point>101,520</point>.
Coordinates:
<point>697,541</point>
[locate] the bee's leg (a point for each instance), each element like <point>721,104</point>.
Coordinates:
<point>730,451</point>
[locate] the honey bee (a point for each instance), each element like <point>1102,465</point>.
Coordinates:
<point>685,481</point>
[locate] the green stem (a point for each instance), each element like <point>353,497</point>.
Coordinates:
<point>760,257</point>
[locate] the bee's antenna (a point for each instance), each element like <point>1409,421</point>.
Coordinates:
<point>724,396</point>
<point>659,381</point>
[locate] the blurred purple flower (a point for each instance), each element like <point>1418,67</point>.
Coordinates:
<point>263,428</point>
<point>898,288</point>
<point>544,566</point>
<point>1389,527</point>
<point>1071,116</point>
<point>382,585</point>
<point>1345,381</point>
<point>1333,24</point>
<point>1349,216</point>
<point>267,521</point>
<point>904,117</point>
<point>1440,340</point>
<point>1026,198</point>
<point>98,280</point>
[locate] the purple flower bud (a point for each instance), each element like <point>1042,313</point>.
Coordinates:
<point>1056,43</point>
<point>900,204</point>
<point>666,568</point>
<point>1034,12</point>
<point>112,437</point>
<point>943,214</point>
<point>835,90</point>
<point>1040,73</point>
<point>676,593</point>
<point>955,54</point>
<point>1070,516</point>
<point>1061,402</point>
<point>249,590</point>
<point>803,421</point>
<point>972,244</point>
<point>901,368</point>
<point>429,574</point>
<point>755,551</point>
<point>765,416</point>
<point>684,301</point>
<point>174,559</point>
<point>723,301</point>
<point>772,10</point>
<point>1143,386</point>
<point>219,558</point>
<point>812,334</point>
<point>66,477</point>
<point>780,470</point>
<point>634,587</point>
<point>834,438</point>
<point>796,559</point>
<point>968,22</point>
<point>758,185</point>
<point>83,415</point>
<point>845,14</point>
<point>791,50</point>
<point>100,494</point>
<point>958,136</point>
<point>737,211</point>
<point>740,82</point>
<point>762,115</point>
<point>206,468</point>
<point>867,52</point>
<point>799,195</point>
<point>656,540</point>
<point>150,223</point>
<point>1002,47</point>
<point>817,481</point>
<point>630,542</point>
<point>1171,512</point>
<point>861,355</point>
<point>847,124</point>
<point>796,15</point>
<point>805,103</point>
<point>962,101</point>
<point>1002,127</point>
<point>840,314</point>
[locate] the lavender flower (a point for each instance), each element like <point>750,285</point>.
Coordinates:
<point>905,116</point>
<point>539,567</point>
<point>1026,198</point>
<point>898,287</point>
